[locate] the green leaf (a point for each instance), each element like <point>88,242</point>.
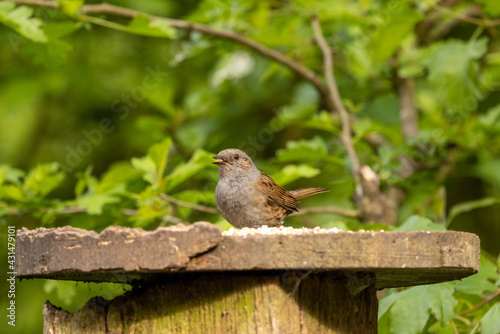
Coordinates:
<point>389,36</point>
<point>490,323</point>
<point>293,172</point>
<point>147,212</point>
<point>158,153</point>
<point>99,194</point>
<point>142,25</point>
<point>119,173</point>
<point>147,166</point>
<point>386,303</point>
<point>153,165</point>
<point>482,281</point>
<point>491,7</point>
<point>72,296</point>
<point>321,121</point>
<point>491,119</point>
<point>94,203</point>
<point>85,180</point>
<point>453,68</point>
<point>410,309</point>
<point>10,174</point>
<point>470,205</point>
<point>417,223</point>
<point>20,19</point>
<point>70,7</point>
<point>43,179</point>
<point>13,192</point>
<point>53,53</point>
<point>200,160</point>
<point>304,151</point>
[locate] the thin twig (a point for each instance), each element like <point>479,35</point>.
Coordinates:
<point>171,219</point>
<point>469,19</point>
<point>193,206</point>
<point>455,330</point>
<point>299,281</point>
<point>339,105</point>
<point>71,209</point>
<point>36,3</point>
<point>478,305</point>
<point>295,66</point>
<point>327,210</point>
<point>408,113</point>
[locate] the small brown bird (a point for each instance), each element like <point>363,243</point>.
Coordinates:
<point>246,197</point>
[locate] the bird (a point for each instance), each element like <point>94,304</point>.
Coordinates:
<point>247,197</point>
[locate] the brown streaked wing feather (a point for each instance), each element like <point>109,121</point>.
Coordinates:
<point>277,194</point>
<point>304,192</point>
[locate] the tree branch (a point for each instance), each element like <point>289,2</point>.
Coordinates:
<point>485,301</point>
<point>334,94</point>
<point>408,113</point>
<point>327,210</point>
<point>295,66</point>
<point>193,206</point>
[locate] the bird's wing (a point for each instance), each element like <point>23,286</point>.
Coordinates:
<point>276,194</point>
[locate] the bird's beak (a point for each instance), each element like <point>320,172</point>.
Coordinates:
<point>219,160</point>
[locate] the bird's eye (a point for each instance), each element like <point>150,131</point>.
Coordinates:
<point>236,157</point>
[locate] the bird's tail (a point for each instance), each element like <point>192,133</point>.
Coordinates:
<point>304,192</point>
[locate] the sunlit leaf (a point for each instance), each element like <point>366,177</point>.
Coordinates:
<point>94,203</point>
<point>417,223</point>
<point>52,54</point>
<point>70,7</point>
<point>200,160</point>
<point>143,25</point>
<point>492,7</point>
<point>73,295</point>
<point>490,323</point>
<point>20,19</point>
<point>293,172</point>
<point>482,281</point>
<point>10,174</point>
<point>389,36</point>
<point>410,309</point>
<point>118,174</point>
<point>304,150</point>
<point>158,153</point>
<point>147,166</point>
<point>43,179</point>
<point>453,68</point>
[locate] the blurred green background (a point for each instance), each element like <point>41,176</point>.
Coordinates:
<point>86,118</point>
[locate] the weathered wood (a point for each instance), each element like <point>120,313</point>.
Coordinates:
<point>49,253</point>
<point>121,254</point>
<point>241,302</point>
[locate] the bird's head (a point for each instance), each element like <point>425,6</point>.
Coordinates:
<point>234,162</point>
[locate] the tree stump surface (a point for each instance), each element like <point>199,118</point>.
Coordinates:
<point>194,279</point>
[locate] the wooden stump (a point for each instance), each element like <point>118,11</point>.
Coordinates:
<point>228,303</point>
<point>191,279</point>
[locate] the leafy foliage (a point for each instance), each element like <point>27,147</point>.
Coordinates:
<point>442,307</point>
<point>105,120</point>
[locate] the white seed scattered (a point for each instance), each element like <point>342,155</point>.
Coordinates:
<point>264,230</point>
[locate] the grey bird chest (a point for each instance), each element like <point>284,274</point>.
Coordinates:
<point>236,198</point>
